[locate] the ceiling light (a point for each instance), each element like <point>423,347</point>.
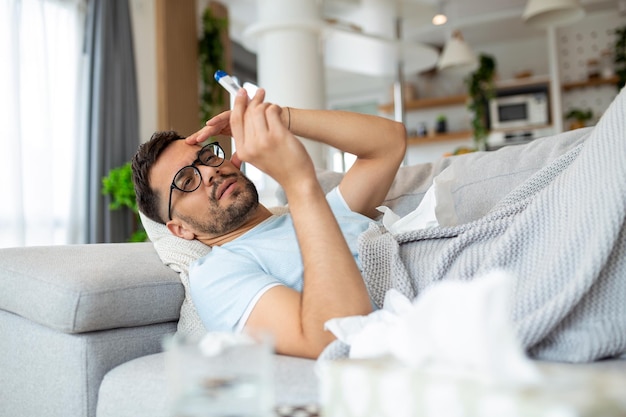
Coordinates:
<point>456,54</point>
<point>440,18</point>
<point>544,13</point>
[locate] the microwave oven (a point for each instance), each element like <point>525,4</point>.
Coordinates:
<point>519,110</point>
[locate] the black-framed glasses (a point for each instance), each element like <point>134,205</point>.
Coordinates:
<point>188,178</point>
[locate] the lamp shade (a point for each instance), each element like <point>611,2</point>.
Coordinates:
<point>456,54</point>
<point>544,13</point>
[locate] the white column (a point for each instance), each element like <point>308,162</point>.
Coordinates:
<point>290,61</point>
<point>556,100</point>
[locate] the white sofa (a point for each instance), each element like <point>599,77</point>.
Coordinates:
<point>82,327</point>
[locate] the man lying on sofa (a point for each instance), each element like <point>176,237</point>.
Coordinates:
<point>289,273</point>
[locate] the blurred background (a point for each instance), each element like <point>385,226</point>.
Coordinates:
<point>86,81</point>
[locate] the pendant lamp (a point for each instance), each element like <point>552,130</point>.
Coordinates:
<point>456,54</point>
<point>440,18</point>
<point>545,13</point>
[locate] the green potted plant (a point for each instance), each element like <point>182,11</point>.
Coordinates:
<point>441,125</point>
<point>480,88</point>
<point>118,185</point>
<point>579,117</point>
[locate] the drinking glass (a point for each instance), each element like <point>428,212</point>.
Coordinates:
<point>220,375</point>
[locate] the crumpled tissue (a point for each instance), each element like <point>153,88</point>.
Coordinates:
<point>452,352</point>
<point>435,209</point>
<point>454,328</point>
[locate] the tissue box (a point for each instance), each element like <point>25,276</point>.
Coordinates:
<point>384,387</point>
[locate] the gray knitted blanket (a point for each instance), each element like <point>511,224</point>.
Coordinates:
<point>561,233</point>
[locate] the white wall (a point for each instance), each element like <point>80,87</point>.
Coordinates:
<point>579,43</point>
<point>516,56</point>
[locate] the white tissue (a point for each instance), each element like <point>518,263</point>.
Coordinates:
<point>436,208</point>
<point>455,328</point>
<point>423,217</point>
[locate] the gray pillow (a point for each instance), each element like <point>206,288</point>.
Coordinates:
<point>480,179</point>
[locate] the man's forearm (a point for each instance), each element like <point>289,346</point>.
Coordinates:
<point>333,286</point>
<point>362,135</point>
<point>378,143</point>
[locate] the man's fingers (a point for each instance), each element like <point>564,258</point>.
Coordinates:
<point>200,136</point>
<point>236,116</point>
<point>220,120</point>
<point>234,159</point>
<point>273,117</point>
<point>259,118</point>
<point>259,96</point>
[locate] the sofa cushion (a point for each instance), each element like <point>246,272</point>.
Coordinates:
<point>479,180</point>
<point>82,288</point>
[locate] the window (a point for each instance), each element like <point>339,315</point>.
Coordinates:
<point>40,48</point>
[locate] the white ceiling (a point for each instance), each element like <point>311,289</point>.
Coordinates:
<point>480,20</point>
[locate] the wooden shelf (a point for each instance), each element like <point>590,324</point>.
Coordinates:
<point>427,103</point>
<point>594,82</point>
<point>517,129</point>
<point>460,99</point>
<point>439,137</point>
<point>431,102</point>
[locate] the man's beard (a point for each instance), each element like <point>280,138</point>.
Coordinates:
<point>221,220</point>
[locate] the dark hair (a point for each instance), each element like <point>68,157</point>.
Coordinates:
<point>142,163</point>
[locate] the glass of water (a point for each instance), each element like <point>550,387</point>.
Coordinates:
<point>220,375</point>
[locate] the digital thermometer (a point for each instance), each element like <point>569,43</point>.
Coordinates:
<point>227,82</point>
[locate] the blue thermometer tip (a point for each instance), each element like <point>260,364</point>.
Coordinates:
<point>219,74</point>
<point>227,82</point>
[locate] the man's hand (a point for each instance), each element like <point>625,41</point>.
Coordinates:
<point>262,139</point>
<point>333,286</point>
<point>218,125</point>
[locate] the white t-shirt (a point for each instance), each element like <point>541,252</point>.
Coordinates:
<point>226,283</point>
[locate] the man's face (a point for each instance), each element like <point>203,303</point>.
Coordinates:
<point>222,203</point>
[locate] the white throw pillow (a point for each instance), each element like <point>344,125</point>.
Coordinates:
<point>178,253</point>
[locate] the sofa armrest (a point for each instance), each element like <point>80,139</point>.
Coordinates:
<point>83,288</point>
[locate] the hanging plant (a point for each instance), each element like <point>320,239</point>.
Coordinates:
<point>211,58</point>
<point>620,56</point>
<point>119,186</point>
<point>480,88</point>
